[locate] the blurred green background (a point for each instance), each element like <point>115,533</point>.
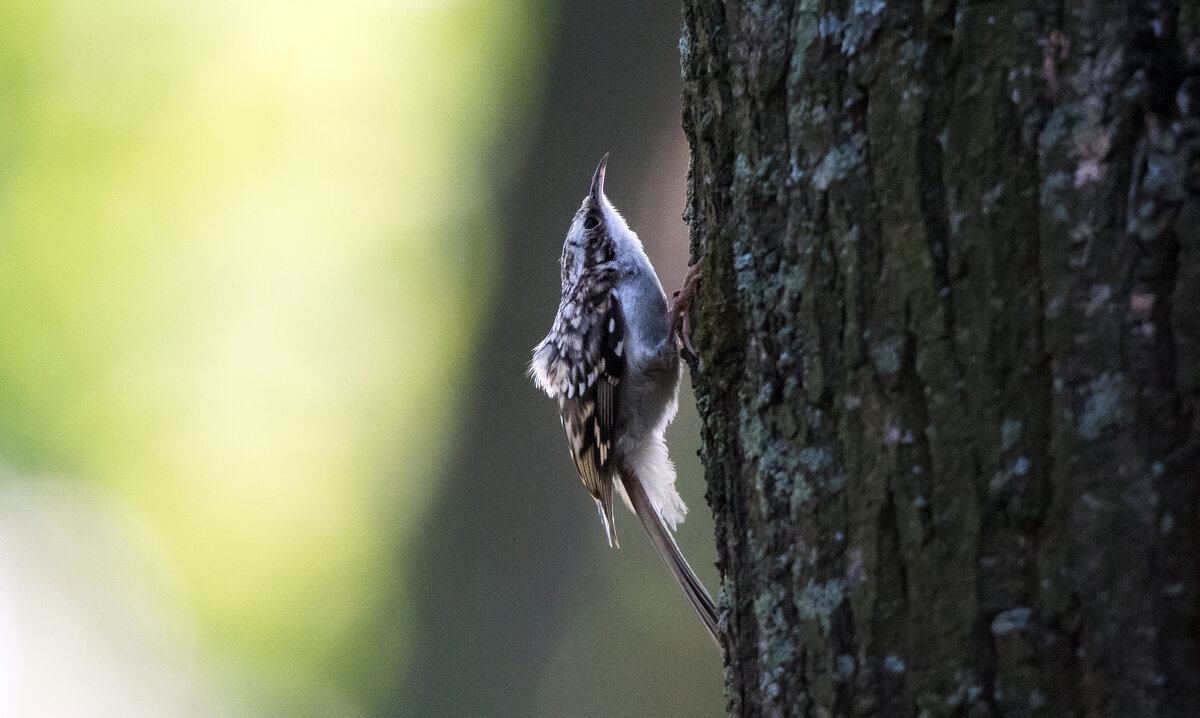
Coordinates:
<point>269,277</point>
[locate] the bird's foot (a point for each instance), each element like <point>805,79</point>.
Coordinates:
<point>681,306</point>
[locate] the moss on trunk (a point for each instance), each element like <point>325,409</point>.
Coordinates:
<point>949,344</point>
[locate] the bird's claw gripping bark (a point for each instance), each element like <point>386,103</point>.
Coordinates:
<point>681,307</point>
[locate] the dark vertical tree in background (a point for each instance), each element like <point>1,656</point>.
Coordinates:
<point>949,343</point>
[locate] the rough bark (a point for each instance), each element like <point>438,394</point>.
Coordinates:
<point>949,346</point>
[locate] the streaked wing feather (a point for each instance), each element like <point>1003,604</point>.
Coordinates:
<point>588,406</point>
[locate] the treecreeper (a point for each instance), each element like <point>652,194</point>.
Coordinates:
<point>611,361</point>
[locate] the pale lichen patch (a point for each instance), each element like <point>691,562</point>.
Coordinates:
<point>1103,407</point>
<point>818,601</point>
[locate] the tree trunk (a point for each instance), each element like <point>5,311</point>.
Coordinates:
<point>949,349</point>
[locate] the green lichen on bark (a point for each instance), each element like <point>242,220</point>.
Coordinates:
<point>949,347</point>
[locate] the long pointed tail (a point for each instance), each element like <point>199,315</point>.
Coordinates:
<point>665,544</point>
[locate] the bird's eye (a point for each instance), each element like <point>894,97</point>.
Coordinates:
<point>591,222</point>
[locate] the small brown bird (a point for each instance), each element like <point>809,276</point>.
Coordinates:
<point>611,360</point>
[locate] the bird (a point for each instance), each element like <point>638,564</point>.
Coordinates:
<point>611,361</point>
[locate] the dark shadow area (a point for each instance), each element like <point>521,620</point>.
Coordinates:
<point>502,558</point>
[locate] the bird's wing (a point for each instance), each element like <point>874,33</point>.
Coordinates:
<point>589,368</point>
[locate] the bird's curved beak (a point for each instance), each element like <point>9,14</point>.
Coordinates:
<point>597,190</point>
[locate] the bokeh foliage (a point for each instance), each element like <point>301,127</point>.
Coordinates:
<point>244,247</point>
